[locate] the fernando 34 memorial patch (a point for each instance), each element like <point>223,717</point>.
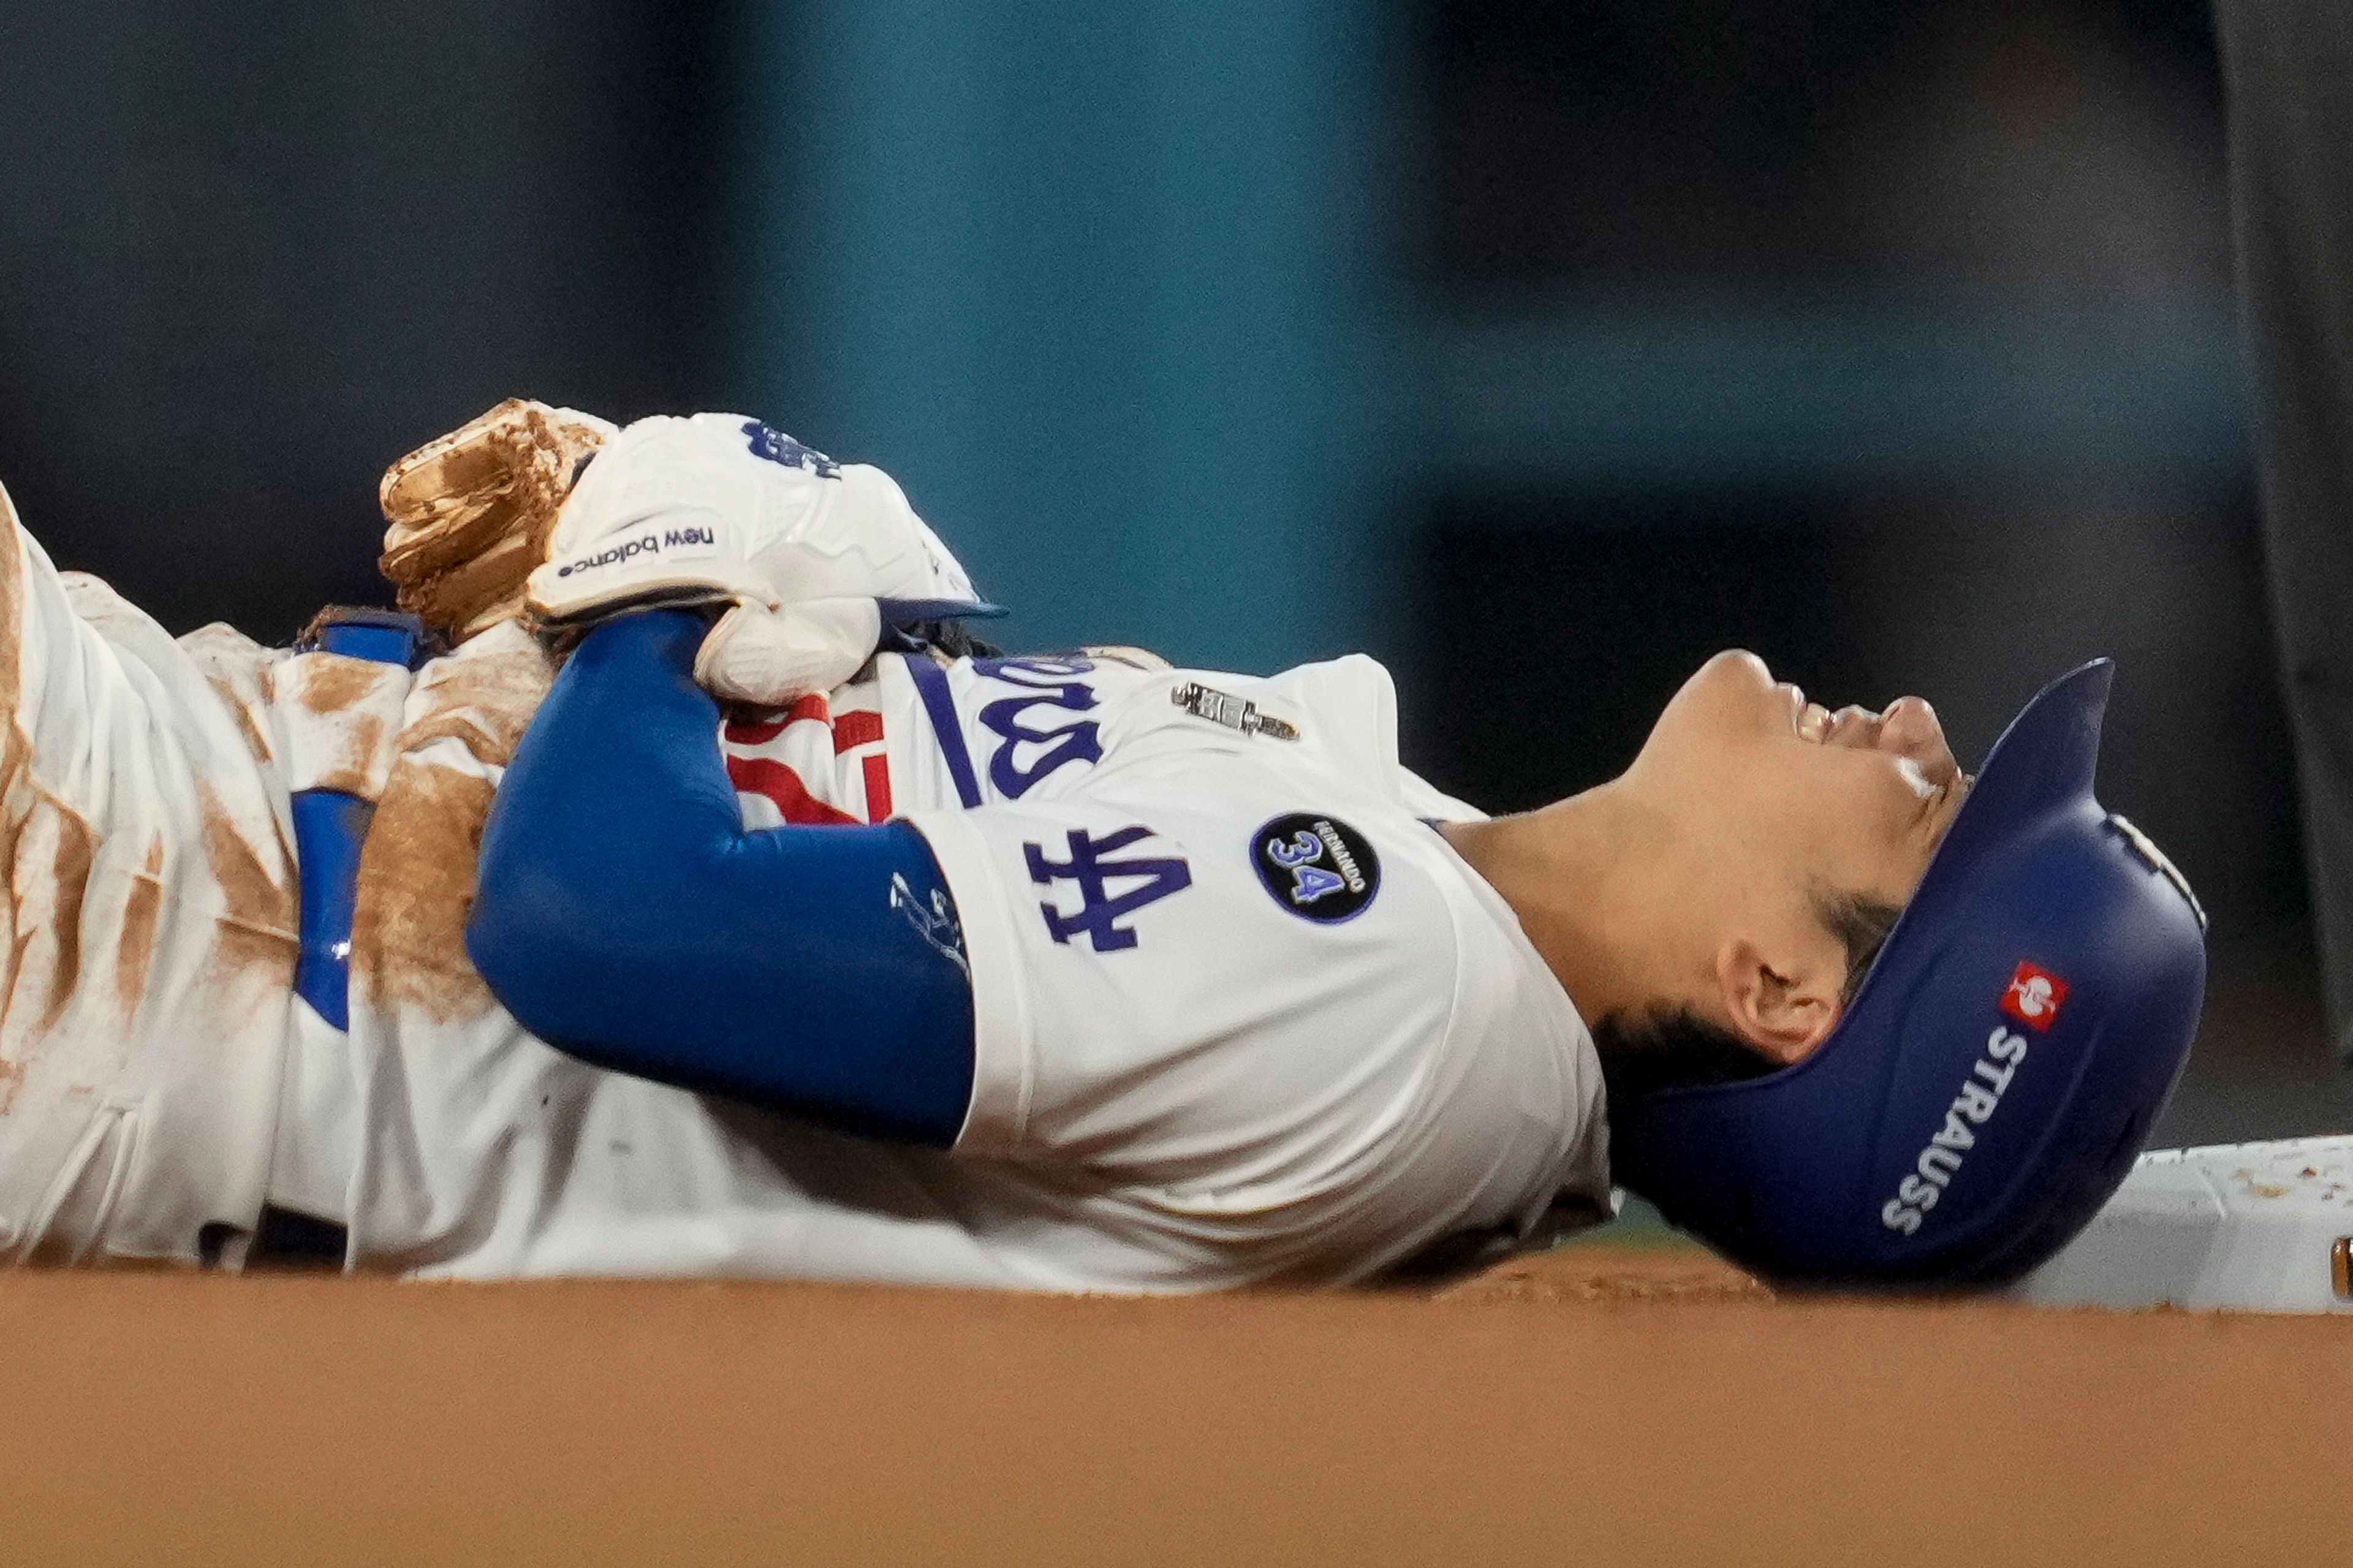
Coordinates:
<point>1318,868</point>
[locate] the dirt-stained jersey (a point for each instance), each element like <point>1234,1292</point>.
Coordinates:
<point>1242,1014</point>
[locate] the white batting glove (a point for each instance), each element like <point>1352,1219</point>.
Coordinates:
<point>772,658</point>
<point>722,507</point>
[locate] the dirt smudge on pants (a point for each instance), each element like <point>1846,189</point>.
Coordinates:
<point>484,697</point>
<point>417,890</point>
<point>241,711</point>
<point>69,871</point>
<point>418,869</point>
<point>354,772</point>
<point>143,914</point>
<point>258,928</point>
<point>341,715</point>
<point>336,683</point>
<point>240,671</point>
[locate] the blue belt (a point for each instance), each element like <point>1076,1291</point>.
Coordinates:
<point>330,826</point>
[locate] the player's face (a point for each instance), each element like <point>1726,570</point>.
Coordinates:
<point>1857,799</point>
<point>1783,802</point>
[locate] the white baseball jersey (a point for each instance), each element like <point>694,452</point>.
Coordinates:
<point>1242,1015</point>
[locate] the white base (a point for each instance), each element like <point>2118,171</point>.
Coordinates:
<point>2251,1226</point>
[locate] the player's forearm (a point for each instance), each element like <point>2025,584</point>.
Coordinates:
<point>625,916</point>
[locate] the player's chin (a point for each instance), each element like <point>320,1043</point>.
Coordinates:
<point>1732,692</point>
<point>1735,668</point>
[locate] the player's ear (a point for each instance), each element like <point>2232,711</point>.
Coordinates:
<point>1784,1004</point>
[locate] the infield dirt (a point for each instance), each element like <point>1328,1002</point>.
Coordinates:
<point>1598,1406</point>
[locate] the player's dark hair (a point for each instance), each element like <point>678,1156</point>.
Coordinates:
<point>1674,1048</point>
<point>955,639</point>
<point>1861,924</point>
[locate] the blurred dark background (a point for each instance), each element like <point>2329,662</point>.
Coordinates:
<point>1539,349</point>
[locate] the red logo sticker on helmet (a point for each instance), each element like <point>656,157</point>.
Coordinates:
<point>2035,996</point>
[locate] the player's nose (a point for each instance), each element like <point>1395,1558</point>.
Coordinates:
<point>1909,728</point>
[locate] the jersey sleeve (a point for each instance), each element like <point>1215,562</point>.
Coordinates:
<point>1245,1018</point>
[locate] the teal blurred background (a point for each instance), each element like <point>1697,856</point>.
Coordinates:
<point>1538,349</point>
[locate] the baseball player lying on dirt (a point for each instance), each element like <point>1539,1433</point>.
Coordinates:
<point>1070,972</point>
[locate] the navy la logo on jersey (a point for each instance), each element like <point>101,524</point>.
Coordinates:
<point>1317,867</point>
<point>1144,879</point>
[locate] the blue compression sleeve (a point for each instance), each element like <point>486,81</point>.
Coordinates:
<point>625,915</point>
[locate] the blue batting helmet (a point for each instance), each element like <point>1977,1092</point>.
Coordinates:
<point>2002,1062</point>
